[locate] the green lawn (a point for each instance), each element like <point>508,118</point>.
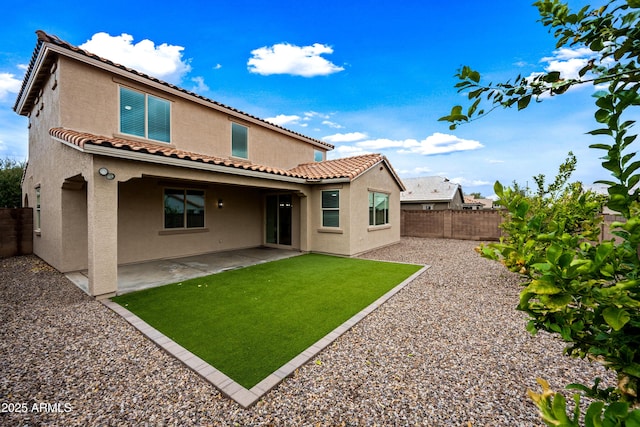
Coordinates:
<point>251,321</point>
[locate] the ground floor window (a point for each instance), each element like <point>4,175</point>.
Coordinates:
<point>378,208</point>
<point>331,208</point>
<point>183,208</point>
<point>37,210</point>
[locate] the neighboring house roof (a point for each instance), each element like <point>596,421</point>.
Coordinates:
<point>347,168</point>
<point>471,201</point>
<point>485,203</point>
<point>35,76</point>
<point>429,189</point>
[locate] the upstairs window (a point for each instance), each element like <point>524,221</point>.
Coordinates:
<point>318,156</point>
<point>145,115</point>
<point>331,208</point>
<point>378,208</point>
<point>239,141</point>
<point>183,208</point>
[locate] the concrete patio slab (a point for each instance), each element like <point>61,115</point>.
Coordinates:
<point>149,274</point>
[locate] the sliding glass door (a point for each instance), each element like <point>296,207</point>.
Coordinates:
<point>278,224</point>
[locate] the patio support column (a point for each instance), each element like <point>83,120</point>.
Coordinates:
<point>102,228</point>
<point>305,224</point>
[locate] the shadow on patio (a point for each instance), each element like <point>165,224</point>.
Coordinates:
<point>148,274</point>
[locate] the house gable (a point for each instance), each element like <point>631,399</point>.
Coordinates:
<point>90,96</point>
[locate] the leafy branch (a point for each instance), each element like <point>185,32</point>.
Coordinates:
<point>611,32</point>
<point>578,286</point>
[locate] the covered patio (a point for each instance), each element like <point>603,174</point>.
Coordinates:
<point>148,274</point>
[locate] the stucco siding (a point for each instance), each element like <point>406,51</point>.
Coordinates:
<point>50,163</point>
<point>141,232</point>
<point>90,102</point>
<point>334,240</point>
<point>363,236</point>
<point>88,98</point>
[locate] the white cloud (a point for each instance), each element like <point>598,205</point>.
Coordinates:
<point>565,53</point>
<point>345,137</point>
<point>418,170</point>
<point>311,114</point>
<point>567,61</point>
<point>282,119</point>
<point>569,69</point>
<point>200,85</point>
<point>332,124</point>
<point>384,143</point>
<point>346,151</point>
<point>438,143</point>
<point>284,58</point>
<point>469,182</point>
<point>8,85</point>
<point>163,61</point>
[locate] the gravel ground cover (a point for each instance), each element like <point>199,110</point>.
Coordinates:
<point>448,350</point>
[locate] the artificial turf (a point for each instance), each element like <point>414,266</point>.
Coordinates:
<point>249,322</point>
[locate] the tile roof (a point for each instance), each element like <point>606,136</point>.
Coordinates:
<point>43,38</point>
<point>429,188</point>
<point>472,201</point>
<point>347,168</point>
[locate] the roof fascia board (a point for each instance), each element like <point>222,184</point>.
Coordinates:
<point>35,71</point>
<point>68,144</point>
<point>330,181</point>
<point>175,92</point>
<point>183,163</point>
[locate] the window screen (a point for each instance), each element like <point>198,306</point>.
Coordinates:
<point>159,119</point>
<point>331,208</point>
<point>132,112</point>
<point>145,115</point>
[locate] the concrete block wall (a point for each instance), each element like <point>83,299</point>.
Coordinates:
<point>481,225</point>
<point>16,232</point>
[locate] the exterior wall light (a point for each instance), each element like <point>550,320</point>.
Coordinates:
<point>220,204</point>
<point>105,172</point>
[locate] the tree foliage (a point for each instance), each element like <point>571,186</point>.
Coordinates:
<point>586,291</point>
<point>10,178</point>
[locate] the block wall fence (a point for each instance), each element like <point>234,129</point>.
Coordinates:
<point>480,225</point>
<point>16,232</point>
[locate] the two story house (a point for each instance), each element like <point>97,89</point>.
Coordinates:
<point>125,168</point>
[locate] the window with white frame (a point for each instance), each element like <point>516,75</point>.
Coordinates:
<point>183,208</point>
<point>37,210</point>
<point>331,208</point>
<point>378,208</point>
<point>145,115</point>
<point>239,141</point>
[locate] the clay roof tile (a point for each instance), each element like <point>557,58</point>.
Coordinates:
<point>348,168</point>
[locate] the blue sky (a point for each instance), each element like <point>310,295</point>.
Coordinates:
<point>366,76</point>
